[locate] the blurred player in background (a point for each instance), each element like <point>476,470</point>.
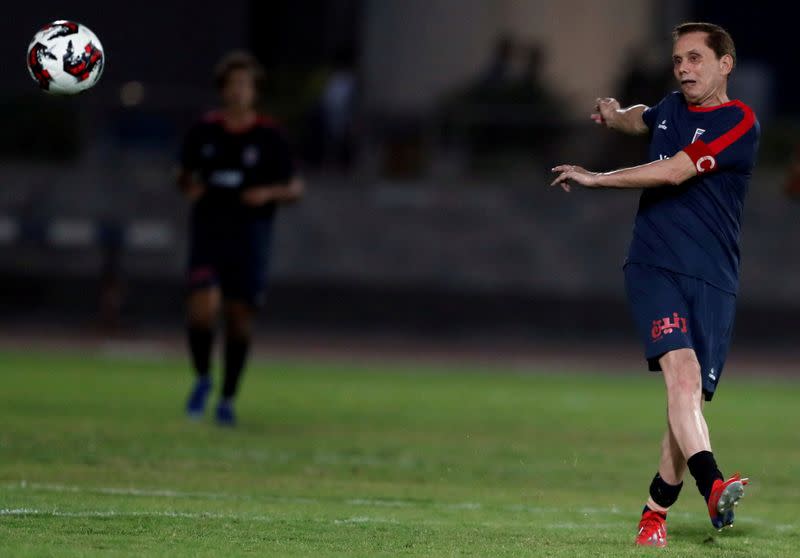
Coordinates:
<point>235,169</point>
<point>682,269</point>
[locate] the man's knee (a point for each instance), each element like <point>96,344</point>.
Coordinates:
<point>681,372</point>
<point>238,318</point>
<point>203,307</point>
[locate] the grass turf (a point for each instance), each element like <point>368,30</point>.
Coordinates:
<point>96,458</point>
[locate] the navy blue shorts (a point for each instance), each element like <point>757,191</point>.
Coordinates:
<point>232,254</point>
<point>674,311</point>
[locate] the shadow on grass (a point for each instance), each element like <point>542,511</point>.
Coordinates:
<point>707,535</point>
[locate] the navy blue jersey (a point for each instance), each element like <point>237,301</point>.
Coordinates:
<point>228,162</point>
<point>693,228</point>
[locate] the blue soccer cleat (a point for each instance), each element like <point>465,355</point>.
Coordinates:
<point>724,496</point>
<point>196,405</point>
<point>225,415</point>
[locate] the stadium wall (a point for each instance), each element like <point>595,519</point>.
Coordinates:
<point>417,50</point>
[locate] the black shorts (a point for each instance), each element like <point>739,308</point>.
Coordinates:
<point>232,254</point>
<point>674,311</point>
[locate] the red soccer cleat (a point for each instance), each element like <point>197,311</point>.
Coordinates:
<point>724,496</point>
<point>652,530</point>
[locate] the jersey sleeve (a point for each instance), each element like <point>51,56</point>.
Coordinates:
<point>650,114</point>
<point>731,145</point>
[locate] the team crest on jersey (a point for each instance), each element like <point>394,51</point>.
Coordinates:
<point>697,133</point>
<point>250,156</point>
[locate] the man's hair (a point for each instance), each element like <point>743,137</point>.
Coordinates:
<point>238,60</point>
<point>717,39</point>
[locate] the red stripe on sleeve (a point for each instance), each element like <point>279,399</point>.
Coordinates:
<point>697,149</point>
<point>729,137</point>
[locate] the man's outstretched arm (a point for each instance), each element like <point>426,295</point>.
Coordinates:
<point>626,120</point>
<point>666,172</point>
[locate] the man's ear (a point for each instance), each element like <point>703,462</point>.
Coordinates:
<point>726,64</point>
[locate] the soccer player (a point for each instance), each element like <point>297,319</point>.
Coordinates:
<point>235,169</point>
<point>682,269</point>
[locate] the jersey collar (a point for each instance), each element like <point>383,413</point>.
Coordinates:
<point>733,103</point>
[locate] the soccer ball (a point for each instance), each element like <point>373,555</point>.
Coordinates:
<point>65,58</point>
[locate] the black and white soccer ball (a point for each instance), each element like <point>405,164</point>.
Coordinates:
<point>65,58</point>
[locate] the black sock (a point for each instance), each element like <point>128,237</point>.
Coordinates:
<point>662,493</point>
<point>703,468</point>
<point>236,349</point>
<point>200,340</point>
<point>647,509</point>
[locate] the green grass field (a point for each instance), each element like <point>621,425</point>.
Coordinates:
<point>96,459</point>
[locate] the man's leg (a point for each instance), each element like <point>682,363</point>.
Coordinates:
<point>682,377</point>
<point>685,412</point>
<point>238,325</point>
<point>673,463</point>
<point>664,491</point>
<point>668,481</point>
<point>203,309</point>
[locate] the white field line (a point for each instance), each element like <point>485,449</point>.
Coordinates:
<point>323,458</point>
<point>168,493</point>
<point>380,503</point>
<point>364,519</point>
<point>110,514</point>
<point>116,513</point>
<point>582,526</point>
<point>32,512</point>
<point>367,502</point>
<point>403,462</point>
<point>129,491</point>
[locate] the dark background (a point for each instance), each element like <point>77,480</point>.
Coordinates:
<point>441,224</point>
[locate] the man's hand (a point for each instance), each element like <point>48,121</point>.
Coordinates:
<point>257,195</point>
<point>296,190</point>
<point>188,184</point>
<point>606,111</point>
<point>569,173</point>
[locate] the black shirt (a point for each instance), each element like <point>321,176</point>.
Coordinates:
<point>228,162</point>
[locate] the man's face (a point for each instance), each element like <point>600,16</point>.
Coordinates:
<point>698,70</point>
<point>239,90</point>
